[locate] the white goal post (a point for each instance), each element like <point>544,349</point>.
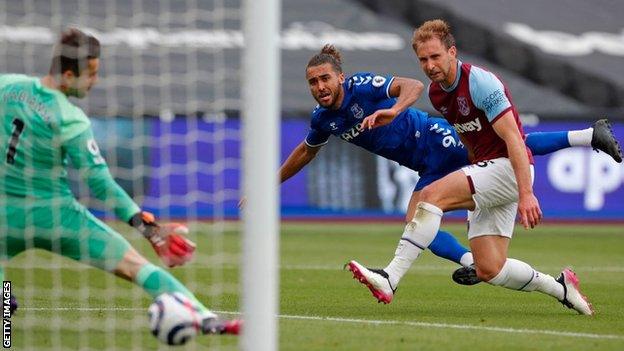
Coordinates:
<point>261,108</point>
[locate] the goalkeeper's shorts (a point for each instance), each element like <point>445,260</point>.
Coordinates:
<point>64,227</point>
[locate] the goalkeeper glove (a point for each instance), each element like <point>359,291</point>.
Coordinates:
<point>168,240</point>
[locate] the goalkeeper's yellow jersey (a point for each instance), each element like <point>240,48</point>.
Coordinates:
<point>41,130</point>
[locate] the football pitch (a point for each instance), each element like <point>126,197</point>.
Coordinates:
<point>323,308</point>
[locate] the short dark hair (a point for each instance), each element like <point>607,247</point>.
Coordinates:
<point>329,54</point>
<point>72,51</point>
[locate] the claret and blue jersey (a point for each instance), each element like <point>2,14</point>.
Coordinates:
<point>413,139</point>
<point>472,104</point>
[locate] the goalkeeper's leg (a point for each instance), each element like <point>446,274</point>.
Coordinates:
<point>84,238</point>
<point>156,281</point>
<point>72,231</point>
<point>153,279</point>
<point>110,251</point>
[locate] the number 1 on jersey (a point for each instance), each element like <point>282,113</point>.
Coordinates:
<point>19,128</point>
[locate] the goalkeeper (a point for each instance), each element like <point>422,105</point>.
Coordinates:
<point>40,131</point>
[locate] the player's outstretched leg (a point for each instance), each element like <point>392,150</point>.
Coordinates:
<point>466,275</point>
<point>375,279</point>
<point>599,136</point>
<point>156,281</point>
<point>445,245</point>
<point>216,326</point>
<point>520,276</point>
<point>417,236</point>
<point>604,140</point>
<point>572,296</point>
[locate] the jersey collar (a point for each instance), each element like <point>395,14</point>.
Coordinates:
<point>456,82</point>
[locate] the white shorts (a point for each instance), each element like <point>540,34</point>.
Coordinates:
<point>495,193</point>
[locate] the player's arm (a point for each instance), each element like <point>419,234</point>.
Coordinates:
<point>488,94</point>
<point>301,155</point>
<point>85,155</point>
<point>528,206</point>
<point>406,91</point>
<point>168,240</point>
<point>298,158</point>
<point>306,150</point>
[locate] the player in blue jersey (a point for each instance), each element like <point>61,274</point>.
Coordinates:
<point>428,145</point>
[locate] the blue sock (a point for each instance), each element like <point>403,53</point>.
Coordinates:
<point>542,143</point>
<point>445,245</point>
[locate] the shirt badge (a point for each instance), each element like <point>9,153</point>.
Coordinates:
<point>357,111</point>
<point>462,105</point>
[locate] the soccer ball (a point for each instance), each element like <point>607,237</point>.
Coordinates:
<point>174,319</point>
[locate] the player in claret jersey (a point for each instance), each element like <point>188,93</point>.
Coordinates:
<point>41,131</point>
<point>497,184</point>
<point>429,145</point>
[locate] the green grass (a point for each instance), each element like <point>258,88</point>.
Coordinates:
<point>429,312</point>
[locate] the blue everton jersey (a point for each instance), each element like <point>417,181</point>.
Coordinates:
<point>365,93</point>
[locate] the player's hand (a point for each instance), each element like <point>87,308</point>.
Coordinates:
<point>379,118</point>
<point>167,240</point>
<point>172,245</point>
<point>529,211</point>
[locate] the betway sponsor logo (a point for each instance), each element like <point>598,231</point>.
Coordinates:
<point>471,126</point>
<point>352,133</point>
<point>298,36</point>
<point>566,44</point>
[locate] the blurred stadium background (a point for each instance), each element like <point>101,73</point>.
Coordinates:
<point>176,69</point>
<point>166,112</point>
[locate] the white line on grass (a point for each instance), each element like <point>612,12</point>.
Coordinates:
<point>336,267</point>
<point>369,321</point>
<point>416,267</point>
<point>458,326</point>
<point>83,309</point>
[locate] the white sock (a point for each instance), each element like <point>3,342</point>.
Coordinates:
<point>518,275</point>
<point>466,259</point>
<point>580,137</point>
<point>418,234</point>
<point>547,284</point>
<point>514,275</point>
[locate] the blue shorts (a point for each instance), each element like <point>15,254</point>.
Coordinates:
<point>444,152</point>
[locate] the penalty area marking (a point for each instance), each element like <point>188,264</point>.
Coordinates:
<point>369,321</point>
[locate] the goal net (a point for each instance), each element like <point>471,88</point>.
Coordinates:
<point>166,113</point>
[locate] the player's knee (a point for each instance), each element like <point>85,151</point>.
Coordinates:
<point>409,216</point>
<point>429,195</point>
<point>130,265</point>
<point>487,270</point>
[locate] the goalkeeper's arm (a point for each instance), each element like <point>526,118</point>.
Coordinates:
<point>167,240</point>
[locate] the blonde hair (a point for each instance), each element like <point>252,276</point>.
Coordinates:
<point>328,54</point>
<point>434,29</point>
